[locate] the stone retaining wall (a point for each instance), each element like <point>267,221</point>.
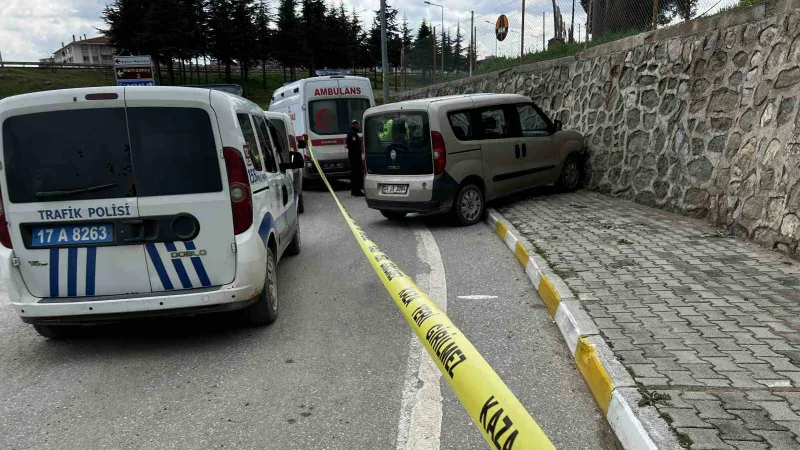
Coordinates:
<point>700,118</point>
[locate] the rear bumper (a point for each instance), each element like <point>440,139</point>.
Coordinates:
<point>310,172</point>
<point>426,193</point>
<point>410,207</point>
<point>248,283</point>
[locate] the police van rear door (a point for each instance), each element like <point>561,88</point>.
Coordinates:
<point>177,154</point>
<point>69,193</point>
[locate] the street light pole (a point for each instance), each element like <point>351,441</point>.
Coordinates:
<point>442,7</point>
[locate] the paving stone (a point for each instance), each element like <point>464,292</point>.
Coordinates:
<point>757,420</point>
<point>779,411</point>
<point>779,439</point>
<point>711,410</point>
<point>705,439</point>
<point>733,429</point>
<point>748,445</point>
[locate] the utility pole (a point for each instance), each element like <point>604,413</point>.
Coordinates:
<point>522,35</point>
<point>572,25</point>
<point>544,32</point>
<point>433,41</point>
<point>471,41</point>
<point>384,53</point>
<point>655,14</point>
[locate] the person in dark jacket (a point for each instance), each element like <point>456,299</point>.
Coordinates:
<point>353,142</point>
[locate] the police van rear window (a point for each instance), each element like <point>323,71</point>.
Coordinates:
<point>86,154</point>
<point>68,155</point>
<point>173,151</point>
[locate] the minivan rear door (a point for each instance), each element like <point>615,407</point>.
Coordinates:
<point>69,192</point>
<point>177,155</point>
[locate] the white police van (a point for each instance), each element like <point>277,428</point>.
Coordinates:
<point>141,201</point>
<point>321,109</point>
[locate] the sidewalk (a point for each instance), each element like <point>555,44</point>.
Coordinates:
<point>708,325</point>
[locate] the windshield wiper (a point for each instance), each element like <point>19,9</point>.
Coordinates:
<point>45,194</point>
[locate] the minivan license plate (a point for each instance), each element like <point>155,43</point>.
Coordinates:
<point>72,234</point>
<point>394,189</point>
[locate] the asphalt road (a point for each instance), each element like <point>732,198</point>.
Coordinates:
<point>340,369</point>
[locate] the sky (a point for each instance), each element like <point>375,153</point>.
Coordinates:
<point>34,29</point>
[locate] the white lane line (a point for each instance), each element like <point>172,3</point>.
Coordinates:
<point>420,424</point>
<point>477,297</point>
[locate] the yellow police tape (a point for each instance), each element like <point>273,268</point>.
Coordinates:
<point>493,408</point>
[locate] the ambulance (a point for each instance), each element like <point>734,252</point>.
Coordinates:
<point>321,109</point>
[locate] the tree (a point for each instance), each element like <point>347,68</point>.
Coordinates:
<point>220,38</point>
<point>264,37</point>
<point>459,59</point>
<point>286,36</point>
<point>421,56</point>
<point>314,35</point>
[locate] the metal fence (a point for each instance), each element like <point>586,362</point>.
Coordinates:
<point>546,29</point>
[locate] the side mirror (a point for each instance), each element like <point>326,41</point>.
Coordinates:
<point>301,143</point>
<point>295,162</point>
<point>558,125</point>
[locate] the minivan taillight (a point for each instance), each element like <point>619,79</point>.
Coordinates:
<point>239,187</point>
<point>5,236</point>
<point>439,153</point>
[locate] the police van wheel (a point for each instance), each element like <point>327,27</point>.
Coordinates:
<point>265,310</point>
<point>469,206</point>
<point>294,246</point>
<point>394,215</point>
<point>300,207</point>
<point>56,331</point>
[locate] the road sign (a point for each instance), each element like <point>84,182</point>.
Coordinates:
<point>136,83</point>
<point>133,70</point>
<point>501,27</point>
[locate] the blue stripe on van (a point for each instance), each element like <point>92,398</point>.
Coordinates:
<point>53,272</point>
<point>91,267</point>
<point>72,272</point>
<point>197,262</point>
<point>159,266</point>
<point>178,264</point>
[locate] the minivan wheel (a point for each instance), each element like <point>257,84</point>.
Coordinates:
<point>265,310</point>
<point>570,175</point>
<point>393,215</point>
<point>468,206</point>
<point>56,331</point>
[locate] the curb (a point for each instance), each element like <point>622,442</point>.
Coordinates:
<point>611,385</point>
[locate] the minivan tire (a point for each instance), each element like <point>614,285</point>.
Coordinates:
<point>265,310</point>
<point>294,246</point>
<point>571,172</point>
<point>57,331</point>
<point>394,215</point>
<point>469,205</point>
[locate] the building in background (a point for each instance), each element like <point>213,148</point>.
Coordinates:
<point>86,51</point>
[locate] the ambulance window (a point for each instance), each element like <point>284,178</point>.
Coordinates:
<point>60,157</point>
<point>251,152</point>
<point>173,151</point>
<point>266,146</point>
<point>355,110</point>
<point>324,118</point>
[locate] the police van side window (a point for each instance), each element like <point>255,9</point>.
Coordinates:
<point>283,152</point>
<point>251,151</point>
<point>266,147</point>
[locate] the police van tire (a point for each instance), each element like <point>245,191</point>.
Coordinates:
<point>265,310</point>
<point>300,207</point>
<point>394,215</point>
<point>469,206</point>
<point>294,247</point>
<point>56,331</point>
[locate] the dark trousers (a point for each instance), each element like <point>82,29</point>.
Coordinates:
<point>356,176</point>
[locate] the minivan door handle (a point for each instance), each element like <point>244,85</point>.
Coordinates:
<point>516,150</point>
<point>524,150</point>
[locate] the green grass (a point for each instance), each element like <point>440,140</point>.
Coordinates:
<point>17,80</point>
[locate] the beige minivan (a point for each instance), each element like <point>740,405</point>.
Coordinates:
<point>452,154</point>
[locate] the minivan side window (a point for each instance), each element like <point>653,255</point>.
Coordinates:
<point>461,125</point>
<point>283,151</point>
<point>495,124</point>
<point>250,139</point>
<point>266,146</point>
<point>531,122</point>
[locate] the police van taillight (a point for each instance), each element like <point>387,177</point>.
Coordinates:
<point>439,153</point>
<point>5,236</point>
<point>239,187</point>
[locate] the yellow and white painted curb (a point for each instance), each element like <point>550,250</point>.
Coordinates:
<point>611,385</point>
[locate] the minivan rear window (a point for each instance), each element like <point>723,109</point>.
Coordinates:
<point>333,116</point>
<point>87,154</point>
<point>174,151</point>
<point>398,143</point>
<point>56,152</point>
